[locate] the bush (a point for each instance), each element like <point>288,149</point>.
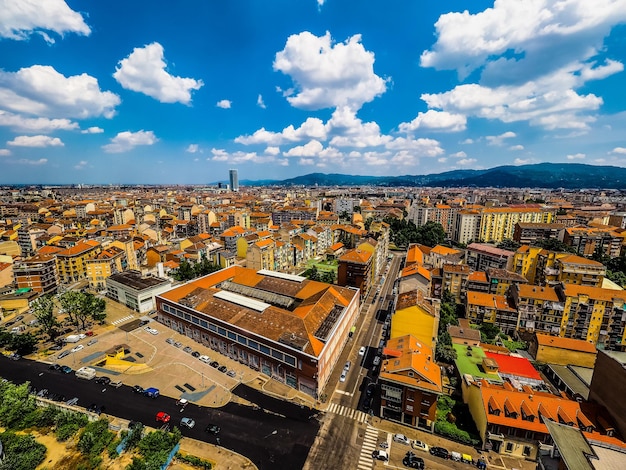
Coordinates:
<point>68,423</point>
<point>22,452</point>
<point>195,461</point>
<point>451,431</point>
<point>95,437</point>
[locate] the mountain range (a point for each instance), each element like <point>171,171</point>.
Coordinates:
<point>541,175</point>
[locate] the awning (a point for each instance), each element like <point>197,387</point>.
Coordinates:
<point>391,352</point>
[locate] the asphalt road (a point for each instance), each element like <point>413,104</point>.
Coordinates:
<point>277,435</point>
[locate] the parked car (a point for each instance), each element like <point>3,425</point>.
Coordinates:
<point>163,417</point>
<point>380,455</point>
<point>54,367</point>
<point>402,439</point>
<point>413,461</point>
<point>137,389</point>
<point>369,391</point>
<point>439,452</point>
<point>343,376</point>
<point>103,380</point>
<point>231,373</point>
<point>72,401</point>
<point>347,366</point>
<point>187,423</point>
<point>195,354</point>
<point>66,369</point>
<point>117,384</point>
<point>205,359</point>
<point>55,347</point>
<point>92,341</point>
<point>63,354</point>
<point>77,348</point>
<point>178,344</point>
<point>222,369</point>
<point>188,349</point>
<point>170,341</point>
<point>362,351</point>
<point>215,364</point>
<point>376,361</point>
<point>419,445</point>
<point>212,428</point>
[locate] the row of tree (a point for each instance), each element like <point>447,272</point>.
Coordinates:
<point>80,307</point>
<point>315,274</point>
<point>405,232</point>
<point>187,271</point>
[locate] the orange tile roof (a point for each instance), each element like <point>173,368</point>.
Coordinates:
<point>596,293</point>
<point>444,250</point>
<point>77,249</point>
<point>356,256</point>
<point>565,343</point>
<point>477,276</point>
<point>488,300</point>
<point>574,259</point>
<point>336,246</point>
<point>536,292</point>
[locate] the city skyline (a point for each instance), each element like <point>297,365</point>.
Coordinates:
<point>160,93</point>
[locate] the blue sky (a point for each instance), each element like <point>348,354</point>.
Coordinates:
<point>163,92</point>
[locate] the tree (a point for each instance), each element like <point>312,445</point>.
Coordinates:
<point>81,306</point>
<point>23,343</point>
<point>508,244</point>
<point>488,332</point>
<point>312,273</point>
<point>328,277</point>
<point>553,244</point>
<point>43,311</point>
<point>184,271</point>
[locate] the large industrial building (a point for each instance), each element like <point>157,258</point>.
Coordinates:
<point>288,327</point>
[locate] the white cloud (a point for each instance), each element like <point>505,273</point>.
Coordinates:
<point>530,57</point>
<point>35,141</point>
<point>19,19</point>
<point>306,161</point>
<point>577,156</point>
<point>499,139</point>
<point>42,91</point>
<point>442,160</point>
<point>25,124</point>
<point>81,165</point>
<point>92,130</point>
<point>350,131</point>
<point>260,103</point>
<point>522,161</point>
<point>467,141</point>
<point>436,121</point>
<point>618,151</point>
<point>5,152</point>
<point>224,104</point>
<point>272,151</point>
<point>125,141</point>
<point>466,161</point>
<point>312,128</point>
<point>599,160</point>
<point>328,75</point>
<point>192,148</point>
<point>310,149</point>
<point>460,154</point>
<point>516,147</point>
<point>144,70</point>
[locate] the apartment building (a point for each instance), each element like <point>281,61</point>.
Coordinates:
<point>355,270</point>
<point>136,291</point>
<point>410,383</point>
<point>288,327</point>
<point>480,256</point>
<point>466,226</point>
<point>71,261</point>
<point>498,223</point>
<point>531,233</point>
<point>588,240</point>
<point>539,308</point>
<point>482,308</point>
<point>38,273</point>
<point>110,261</point>
<point>573,269</point>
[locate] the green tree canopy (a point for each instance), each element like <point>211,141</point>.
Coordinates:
<point>43,311</point>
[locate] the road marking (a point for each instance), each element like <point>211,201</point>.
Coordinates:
<point>122,320</point>
<point>369,445</point>
<point>347,412</point>
<point>343,392</point>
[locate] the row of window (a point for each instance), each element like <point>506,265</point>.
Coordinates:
<point>226,333</point>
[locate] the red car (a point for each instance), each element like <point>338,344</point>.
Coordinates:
<point>162,417</point>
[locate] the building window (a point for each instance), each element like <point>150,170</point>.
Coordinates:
<point>509,447</point>
<point>527,450</point>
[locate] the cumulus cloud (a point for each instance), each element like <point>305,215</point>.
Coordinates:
<point>328,74</point>
<point>81,165</point>
<point>576,156</point>
<point>460,154</point>
<point>499,139</point>
<point>435,121</point>
<point>467,141</point>
<point>260,103</point>
<point>92,130</point>
<point>224,104</point>
<point>42,91</point>
<point>21,123</point>
<point>442,160</point>
<point>312,128</point>
<point>529,59</point>
<point>35,141</point>
<point>310,149</point>
<point>516,147</point>
<point>466,161</point>
<point>522,161</point>
<point>192,148</point>
<point>5,152</point>
<point>618,151</point>
<point>20,19</point>
<point>125,141</point>
<point>144,71</point>
<point>351,131</point>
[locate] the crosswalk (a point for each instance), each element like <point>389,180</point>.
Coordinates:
<point>370,443</point>
<point>347,412</point>
<point>122,320</point>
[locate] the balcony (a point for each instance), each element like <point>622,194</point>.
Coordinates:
<point>495,437</point>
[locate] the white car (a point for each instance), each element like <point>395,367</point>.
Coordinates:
<point>343,376</point>
<point>152,331</point>
<point>77,348</point>
<point>205,359</point>
<point>187,422</point>
<point>402,439</point>
<point>419,445</point>
<point>362,351</point>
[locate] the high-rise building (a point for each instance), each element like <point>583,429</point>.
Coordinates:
<point>234,180</point>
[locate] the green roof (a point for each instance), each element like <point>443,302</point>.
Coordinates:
<point>472,364</point>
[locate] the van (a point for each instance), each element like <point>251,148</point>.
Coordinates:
<point>151,392</point>
<point>376,360</point>
<point>86,373</point>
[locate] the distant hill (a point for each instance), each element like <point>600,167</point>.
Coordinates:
<point>541,175</point>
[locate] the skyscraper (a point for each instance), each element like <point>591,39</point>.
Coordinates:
<point>234,180</point>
